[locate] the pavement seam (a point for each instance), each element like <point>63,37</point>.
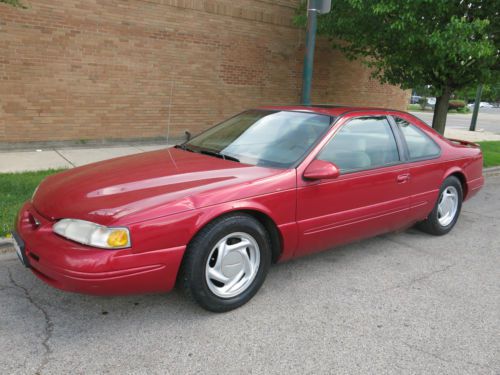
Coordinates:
<point>416,348</point>
<point>49,325</point>
<point>65,158</point>
<point>388,237</point>
<point>415,280</point>
<point>482,215</point>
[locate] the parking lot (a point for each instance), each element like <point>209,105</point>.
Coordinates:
<point>402,303</point>
<point>488,119</point>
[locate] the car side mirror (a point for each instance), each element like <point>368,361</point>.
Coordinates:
<point>321,170</point>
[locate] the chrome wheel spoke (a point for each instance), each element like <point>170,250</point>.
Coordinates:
<point>440,209</point>
<point>217,275</point>
<point>243,244</point>
<point>221,250</point>
<point>446,207</point>
<point>231,284</point>
<point>247,264</point>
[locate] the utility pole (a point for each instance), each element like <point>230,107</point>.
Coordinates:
<point>314,7</point>
<point>475,112</point>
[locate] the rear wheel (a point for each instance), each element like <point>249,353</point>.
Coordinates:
<point>447,209</point>
<point>227,262</point>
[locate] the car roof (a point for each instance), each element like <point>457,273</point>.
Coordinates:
<point>331,110</point>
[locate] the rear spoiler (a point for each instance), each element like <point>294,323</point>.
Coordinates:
<point>464,143</point>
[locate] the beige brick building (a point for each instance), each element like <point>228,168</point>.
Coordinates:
<point>79,70</point>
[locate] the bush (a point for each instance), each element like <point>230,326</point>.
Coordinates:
<point>15,3</point>
<point>413,107</point>
<point>463,110</point>
<point>422,102</point>
<point>456,104</point>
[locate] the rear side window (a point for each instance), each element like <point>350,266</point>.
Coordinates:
<point>420,146</point>
<point>362,143</point>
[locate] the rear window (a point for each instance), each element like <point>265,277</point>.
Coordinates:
<point>420,145</point>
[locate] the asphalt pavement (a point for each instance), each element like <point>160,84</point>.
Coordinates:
<point>401,303</point>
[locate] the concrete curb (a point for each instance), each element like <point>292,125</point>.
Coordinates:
<point>104,143</point>
<point>491,171</point>
<point>6,245</point>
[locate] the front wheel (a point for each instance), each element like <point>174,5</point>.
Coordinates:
<point>227,262</point>
<point>447,209</point>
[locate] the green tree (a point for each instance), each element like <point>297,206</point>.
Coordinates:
<point>15,3</point>
<point>448,44</point>
<point>491,93</point>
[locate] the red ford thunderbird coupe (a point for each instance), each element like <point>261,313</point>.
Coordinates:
<point>265,186</point>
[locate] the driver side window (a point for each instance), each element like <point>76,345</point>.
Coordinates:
<point>362,143</point>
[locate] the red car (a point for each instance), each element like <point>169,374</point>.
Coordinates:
<point>267,185</point>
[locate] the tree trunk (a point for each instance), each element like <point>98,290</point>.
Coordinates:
<point>441,111</point>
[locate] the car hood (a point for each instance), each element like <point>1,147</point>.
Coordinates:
<point>149,185</point>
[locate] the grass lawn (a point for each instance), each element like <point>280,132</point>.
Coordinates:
<point>417,108</point>
<point>491,153</point>
<point>15,189</point>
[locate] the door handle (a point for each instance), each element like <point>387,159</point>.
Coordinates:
<point>403,178</point>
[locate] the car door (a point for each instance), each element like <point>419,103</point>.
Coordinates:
<point>368,198</point>
<point>426,176</point>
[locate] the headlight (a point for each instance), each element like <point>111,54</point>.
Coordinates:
<point>93,234</point>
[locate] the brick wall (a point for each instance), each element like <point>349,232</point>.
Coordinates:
<point>116,69</point>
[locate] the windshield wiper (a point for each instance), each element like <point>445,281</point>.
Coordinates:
<point>184,147</point>
<point>219,155</point>
<point>207,152</point>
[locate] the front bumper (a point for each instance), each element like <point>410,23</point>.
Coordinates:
<point>70,266</point>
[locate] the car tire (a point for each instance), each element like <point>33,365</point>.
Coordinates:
<point>226,263</point>
<point>447,209</point>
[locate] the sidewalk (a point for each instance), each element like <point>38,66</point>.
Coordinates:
<point>467,135</point>
<point>56,158</point>
<point>19,161</point>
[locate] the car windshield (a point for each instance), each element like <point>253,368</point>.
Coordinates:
<point>266,138</point>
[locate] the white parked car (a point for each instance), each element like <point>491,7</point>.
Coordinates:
<point>481,105</point>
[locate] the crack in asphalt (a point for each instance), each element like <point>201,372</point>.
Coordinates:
<point>413,247</point>
<point>482,215</point>
<point>49,325</point>
<point>415,280</point>
<point>438,357</point>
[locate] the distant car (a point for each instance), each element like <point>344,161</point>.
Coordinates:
<point>414,99</point>
<point>431,102</point>
<point>481,105</point>
<point>267,185</point>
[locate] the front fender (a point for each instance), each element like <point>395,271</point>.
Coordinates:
<point>179,229</point>
<point>272,205</point>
